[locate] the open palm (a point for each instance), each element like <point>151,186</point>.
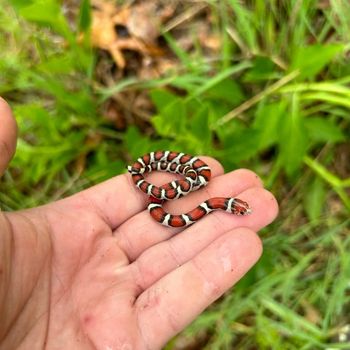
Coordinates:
<point>99,273</point>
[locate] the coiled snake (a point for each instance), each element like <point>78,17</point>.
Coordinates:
<point>197,174</point>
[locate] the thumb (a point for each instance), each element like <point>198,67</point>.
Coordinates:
<point>8,135</point>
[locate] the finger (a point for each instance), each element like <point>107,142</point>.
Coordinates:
<point>8,135</point>
<point>161,259</point>
<point>117,199</point>
<point>141,231</point>
<point>174,301</point>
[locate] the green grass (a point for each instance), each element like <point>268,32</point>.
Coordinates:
<point>275,99</point>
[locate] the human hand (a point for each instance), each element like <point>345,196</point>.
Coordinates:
<point>94,271</point>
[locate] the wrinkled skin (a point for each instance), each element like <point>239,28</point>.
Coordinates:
<point>94,271</point>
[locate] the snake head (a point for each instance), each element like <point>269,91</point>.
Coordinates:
<point>240,207</point>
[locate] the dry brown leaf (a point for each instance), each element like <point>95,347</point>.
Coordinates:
<point>133,28</point>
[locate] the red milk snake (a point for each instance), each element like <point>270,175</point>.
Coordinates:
<point>197,174</point>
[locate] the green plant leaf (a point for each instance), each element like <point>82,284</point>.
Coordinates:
<point>310,60</point>
<point>240,146</point>
<point>268,120</point>
<point>293,139</point>
<point>172,120</point>
<point>228,91</point>
<point>263,69</point>
<point>314,199</point>
<point>58,64</point>
<point>324,130</point>
<point>162,98</point>
<point>200,126</point>
<point>218,78</point>
<point>135,143</point>
<point>21,3</point>
<point>47,13</point>
<point>84,16</point>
